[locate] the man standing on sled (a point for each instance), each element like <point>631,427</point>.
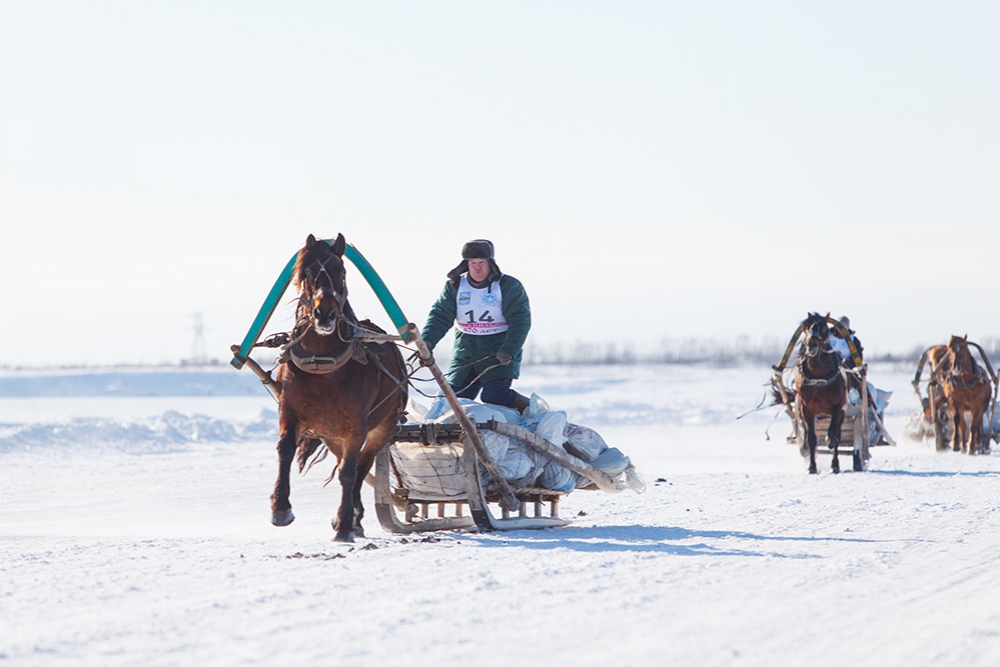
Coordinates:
<point>492,317</point>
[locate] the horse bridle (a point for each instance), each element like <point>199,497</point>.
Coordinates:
<point>821,348</point>
<point>311,294</point>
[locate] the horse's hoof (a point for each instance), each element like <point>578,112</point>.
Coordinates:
<point>835,469</point>
<point>282,518</point>
<point>341,535</point>
<point>813,471</point>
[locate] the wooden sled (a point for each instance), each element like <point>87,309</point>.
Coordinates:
<point>442,486</point>
<point>514,502</point>
<point>854,432</point>
<point>853,437</point>
<point>935,405</point>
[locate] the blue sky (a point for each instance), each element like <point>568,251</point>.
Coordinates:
<point>648,170</point>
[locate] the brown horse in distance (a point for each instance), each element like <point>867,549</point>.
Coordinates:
<point>820,387</point>
<point>333,389</point>
<point>967,388</point>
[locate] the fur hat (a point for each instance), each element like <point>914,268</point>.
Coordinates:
<point>476,249</point>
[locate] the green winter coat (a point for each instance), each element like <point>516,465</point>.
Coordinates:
<point>469,348</point>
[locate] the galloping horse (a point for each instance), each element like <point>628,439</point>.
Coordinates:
<point>333,390</point>
<point>967,388</point>
<point>820,387</point>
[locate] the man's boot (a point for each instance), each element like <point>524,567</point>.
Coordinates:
<point>521,403</point>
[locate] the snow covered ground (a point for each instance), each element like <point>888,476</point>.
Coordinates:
<point>135,531</point>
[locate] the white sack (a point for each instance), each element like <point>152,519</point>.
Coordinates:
<point>584,443</point>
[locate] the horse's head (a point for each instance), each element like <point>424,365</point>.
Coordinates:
<point>817,333</point>
<point>960,355</point>
<point>319,275</point>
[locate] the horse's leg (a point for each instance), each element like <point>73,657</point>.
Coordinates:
<point>976,431</point>
<point>281,506</point>
<point>833,436</point>
<point>365,461</point>
<point>958,422</point>
<point>343,525</point>
<point>810,421</point>
<point>965,431</point>
<point>985,432</point>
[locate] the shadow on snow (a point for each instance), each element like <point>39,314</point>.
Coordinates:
<point>937,473</point>
<point>650,539</point>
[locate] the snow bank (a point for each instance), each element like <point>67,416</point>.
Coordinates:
<point>169,432</point>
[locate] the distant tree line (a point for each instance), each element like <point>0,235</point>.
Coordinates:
<point>742,350</point>
<point>738,351</point>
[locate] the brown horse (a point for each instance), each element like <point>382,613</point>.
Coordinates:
<point>820,387</point>
<point>967,388</point>
<point>333,389</point>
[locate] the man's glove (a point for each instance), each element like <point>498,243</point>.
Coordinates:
<point>504,357</point>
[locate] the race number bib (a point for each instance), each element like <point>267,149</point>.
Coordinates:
<point>480,311</point>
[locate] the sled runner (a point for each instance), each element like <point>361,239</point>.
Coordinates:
<point>429,478</point>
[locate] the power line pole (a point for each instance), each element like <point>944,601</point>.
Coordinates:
<point>199,357</point>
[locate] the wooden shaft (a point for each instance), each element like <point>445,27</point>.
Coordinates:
<point>993,405</point>
<point>930,398</point>
<point>264,376</point>
<point>865,444</point>
<point>881,427</point>
<point>920,371</point>
<point>507,498</point>
<point>788,351</point>
<point>996,387</point>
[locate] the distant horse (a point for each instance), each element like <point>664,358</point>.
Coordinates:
<point>333,389</point>
<point>819,387</point>
<point>967,388</point>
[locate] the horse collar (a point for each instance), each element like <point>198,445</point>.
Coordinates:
<point>311,363</point>
<point>813,381</point>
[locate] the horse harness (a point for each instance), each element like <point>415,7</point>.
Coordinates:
<point>808,381</point>
<point>979,376</point>
<point>358,340</point>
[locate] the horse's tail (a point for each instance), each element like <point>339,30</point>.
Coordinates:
<point>306,449</point>
<point>781,398</point>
